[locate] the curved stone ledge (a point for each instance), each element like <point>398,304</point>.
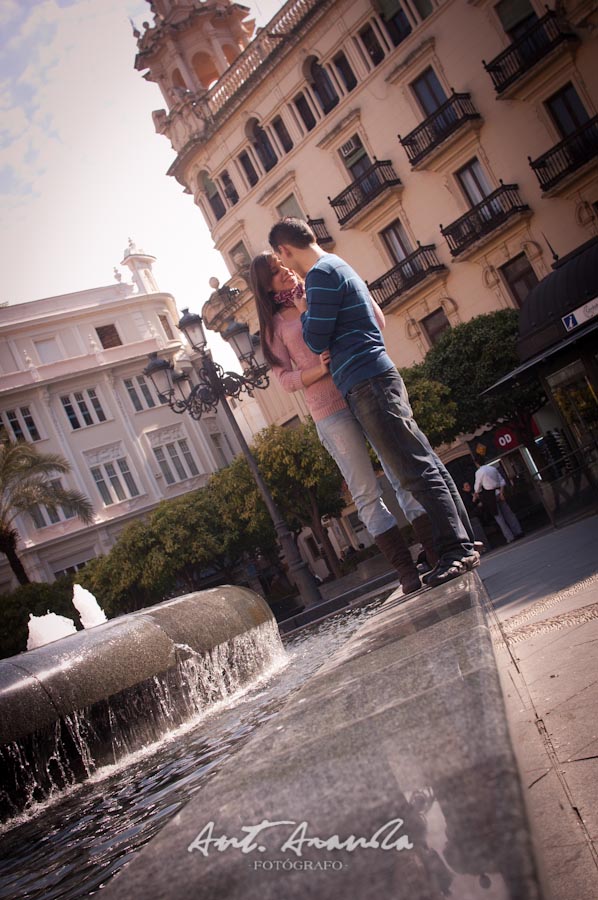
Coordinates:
<point>85,700</point>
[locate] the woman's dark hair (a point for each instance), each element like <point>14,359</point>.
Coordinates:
<point>260,277</point>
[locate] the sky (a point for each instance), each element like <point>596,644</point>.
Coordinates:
<point>81,167</point>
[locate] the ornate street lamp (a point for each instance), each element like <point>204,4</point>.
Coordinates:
<point>213,386</point>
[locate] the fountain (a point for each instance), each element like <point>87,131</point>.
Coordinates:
<point>48,628</point>
<point>52,627</point>
<point>88,699</point>
<point>90,611</point>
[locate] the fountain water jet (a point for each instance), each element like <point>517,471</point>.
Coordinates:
<point>69,707</point>
<point>90,611</point>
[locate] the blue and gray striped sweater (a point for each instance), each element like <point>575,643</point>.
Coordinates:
<point>340,318</point>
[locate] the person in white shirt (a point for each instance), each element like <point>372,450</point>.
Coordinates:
<point>490,486</point>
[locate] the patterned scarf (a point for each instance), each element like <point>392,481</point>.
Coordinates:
<point>287,298</point>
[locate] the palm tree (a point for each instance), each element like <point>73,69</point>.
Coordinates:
<point>25,483</point>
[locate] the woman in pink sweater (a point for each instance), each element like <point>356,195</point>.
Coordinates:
<point>298,369</point>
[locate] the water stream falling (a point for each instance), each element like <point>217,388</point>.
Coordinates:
<point>42,764</point>
<point>69,844</point>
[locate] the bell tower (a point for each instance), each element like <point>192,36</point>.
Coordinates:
<point>189,46</point>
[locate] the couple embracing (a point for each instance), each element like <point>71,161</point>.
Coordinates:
<point>321,333</point>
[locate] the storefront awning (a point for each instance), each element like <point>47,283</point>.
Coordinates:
<point>560,310</point>
<point>512,376</point>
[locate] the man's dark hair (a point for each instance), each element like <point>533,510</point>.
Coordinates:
<point>291,231</point>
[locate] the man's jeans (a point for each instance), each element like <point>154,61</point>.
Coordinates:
<point>382,408</point>
<point>342,436</point>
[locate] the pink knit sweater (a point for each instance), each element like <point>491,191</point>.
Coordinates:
<point>322,397</point>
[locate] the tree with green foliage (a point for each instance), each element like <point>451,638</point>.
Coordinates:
<point>28,479</point>
<point>433,409</point>
<point>171,549</point>
<point>471,357</point>
<point>305,481</point>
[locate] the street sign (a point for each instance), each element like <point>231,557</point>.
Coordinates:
<point>581,314</point>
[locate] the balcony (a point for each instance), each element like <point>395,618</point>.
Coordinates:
<point>365,192</point>
<point>448,119</point>
<point>520,57</point>
<point>484,219</point>
<point>573,153</point>
<point>415,268</point>
<point>320,230</point>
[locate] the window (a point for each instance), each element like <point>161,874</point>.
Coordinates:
<point>282,134</point>
<point>230,191</point>
<point>429,92</point>
<point>262,146</point>
<point>166,326</point>
<point>214,199</point>
<point>239,256</point>
<point>567,111</point>
<point>435,324</point>
<point>248,168</point>
<point>20,423</point>
<point>343,67</point>
<point>176,461</point>
<point>354,156</point>
<point>322,87</point>
<point>396,22</point>
<point>424,7</point>
<point>83,408</point>
<point>47,351</point>
<point>114,481</point>
<point>220,446</point>
<point>290,207</point>
<point>474,182</point>
<point>140,393</point>
<point>109,336</point>
<point>71,570</point>
<point>43,516</point>
<point>396,240</point>
<point>519,277</point>
<point>372,45</point>
<point>516,17</point>
<point>305,111</point>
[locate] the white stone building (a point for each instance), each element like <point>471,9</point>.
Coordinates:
<point>71,383</point>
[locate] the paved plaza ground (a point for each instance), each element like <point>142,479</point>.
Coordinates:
<point>544,593</point>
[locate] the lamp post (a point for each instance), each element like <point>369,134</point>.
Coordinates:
<point>214,386</point>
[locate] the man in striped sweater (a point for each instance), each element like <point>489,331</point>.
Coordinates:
<point>337,316</point>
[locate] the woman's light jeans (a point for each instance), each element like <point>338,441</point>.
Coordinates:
<point>342,436</point>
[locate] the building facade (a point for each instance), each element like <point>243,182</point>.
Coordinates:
<point>71,383</point>
<point>437,146</point>
<point>448,149</point>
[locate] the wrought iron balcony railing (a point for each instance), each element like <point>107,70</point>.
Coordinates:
<point>321,231</point>
<point>523,54</point>
<point>406,274</point>
<point>447,119</point>
<point>484,218</point>
<point>378,178</point>
<point>566,157</point>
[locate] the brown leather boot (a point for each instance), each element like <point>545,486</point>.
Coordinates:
<point>393,546</point>
<point>423,532</point>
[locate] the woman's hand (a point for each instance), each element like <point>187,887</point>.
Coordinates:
<point>325,362</point>
<point>301,303</point>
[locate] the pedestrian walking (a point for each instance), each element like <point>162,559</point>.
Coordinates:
<point>489,487</point>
